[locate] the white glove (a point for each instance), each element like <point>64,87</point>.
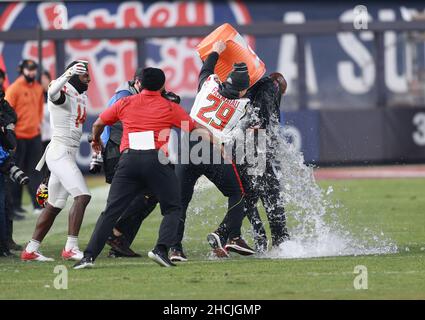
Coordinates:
<point>219,46</point>
<point>56,85</point>
<point>77,69</point>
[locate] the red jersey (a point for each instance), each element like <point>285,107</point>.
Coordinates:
<point>147,116</point>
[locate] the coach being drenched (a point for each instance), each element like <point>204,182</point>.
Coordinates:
<point>144,116</point>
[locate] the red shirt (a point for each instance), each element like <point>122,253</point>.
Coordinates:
<point>147,111</point>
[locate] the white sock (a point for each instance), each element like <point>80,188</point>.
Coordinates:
<point>32,246</point>
<point>71,243</point>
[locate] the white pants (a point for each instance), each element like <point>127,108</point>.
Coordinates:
<point>65,178</point>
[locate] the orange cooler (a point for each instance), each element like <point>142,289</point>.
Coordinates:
<point>237,50</point>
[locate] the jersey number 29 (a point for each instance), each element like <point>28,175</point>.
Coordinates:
<point>223,113</point>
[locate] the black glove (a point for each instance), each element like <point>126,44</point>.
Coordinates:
<point>171,96</point>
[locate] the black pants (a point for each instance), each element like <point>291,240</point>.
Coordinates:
<point>9,184</point>
<point>131,220</point>
<point>137,171</point>
<point>266,188</point>
<point>28,153</point>
<point>226,178</point>
<point>140,208</point>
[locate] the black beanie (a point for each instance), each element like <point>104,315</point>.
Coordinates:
<point>239,77</point>
<point>152,79</point>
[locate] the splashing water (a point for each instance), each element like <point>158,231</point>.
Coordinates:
<point>314,224</point>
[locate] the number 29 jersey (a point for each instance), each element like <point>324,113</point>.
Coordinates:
<point>217,113</point>
<point>67,119</point>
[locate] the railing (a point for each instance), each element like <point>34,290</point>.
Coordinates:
<point>301,31</point>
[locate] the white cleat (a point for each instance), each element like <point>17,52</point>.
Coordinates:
<point>73,254</point>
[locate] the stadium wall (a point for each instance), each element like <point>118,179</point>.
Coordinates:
<point>329,137</point>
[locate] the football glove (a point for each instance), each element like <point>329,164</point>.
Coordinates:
<point>96,163</point>
<point>42,195</point>
<point>76,69</point>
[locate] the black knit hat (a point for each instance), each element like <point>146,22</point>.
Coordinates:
<point>239,77</point>
<point>152,79</point>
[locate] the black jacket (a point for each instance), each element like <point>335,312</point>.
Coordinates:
<point>8,120</point>
<point>208,69</point>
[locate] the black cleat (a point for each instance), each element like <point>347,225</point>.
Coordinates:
<point>239,246</point>
<point>121,246</point>
<point>115,254</point>
<point>16,216</point>
<point>20,210</point>
<point>216,243</point>
<point>86,262</point>
<point>160,258</point>
<point>177,256</point>
<point>6,253</point>
<point>14,246</point>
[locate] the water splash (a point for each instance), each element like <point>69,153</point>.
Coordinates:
<point>314,219</point>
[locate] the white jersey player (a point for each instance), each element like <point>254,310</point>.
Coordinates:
<point>218,107</point>
<point>67,103</point>
<point>216,112</point>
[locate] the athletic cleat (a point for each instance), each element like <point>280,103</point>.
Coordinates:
<point>20,210</point>
<point>34,256</point>
<point>160,258</point>
<point>16,216</point>
<point>121,247</point>
<point>239,246</point>
<point>215,243</point>
<point>6,253</point>
<point>86,262</point>
<point>73,254</point>
<point>14,246</point>
<point>115,254</point>
<point>177,256</point>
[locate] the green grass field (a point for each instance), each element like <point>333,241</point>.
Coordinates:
<point>394,206</point>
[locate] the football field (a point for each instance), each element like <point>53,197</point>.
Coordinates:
<point>395,207</point>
